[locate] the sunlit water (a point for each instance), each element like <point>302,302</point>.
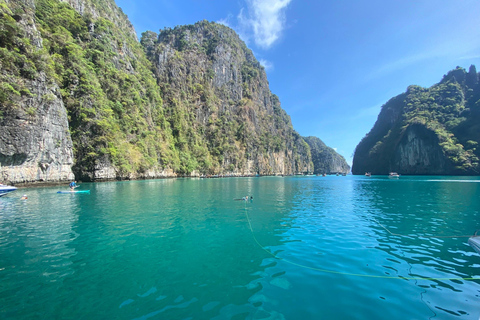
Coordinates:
<point>305,248</point>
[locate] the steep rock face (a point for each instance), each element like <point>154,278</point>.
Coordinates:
<point>325,159</point>
<point>114,106</point>
<point>35,142</point>
<point>426,130</point>
<point>75,67</point>
<point>419,152</point>
<point>209,76</point>
<point>103,9</point>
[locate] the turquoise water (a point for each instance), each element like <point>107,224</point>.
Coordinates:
<point>305,248</point>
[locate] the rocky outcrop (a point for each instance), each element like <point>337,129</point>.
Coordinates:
<point>325,159</point>
<point>103,9</point>
<point>208,74</point>
<point>419,152</point>
<point>35,142</point>
<point>426,131</point>
<point>85,99</point>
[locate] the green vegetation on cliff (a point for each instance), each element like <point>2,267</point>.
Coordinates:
<point>20,58</point>
<point>114,107</point>
<point>217,98</point>
<point>192,98</point>
<point>325,159</point>
<point>115,110</point>
<point>427,130</point>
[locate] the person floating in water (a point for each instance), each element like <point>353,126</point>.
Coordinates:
<point>246,198</point>
<point>73,185</point>
<point>24,197</point>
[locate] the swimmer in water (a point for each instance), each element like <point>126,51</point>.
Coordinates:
<point>243,199</point>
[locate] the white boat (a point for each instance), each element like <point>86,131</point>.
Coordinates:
<point>6,189</point>
<point>393,175</point>
<point>474,241</point>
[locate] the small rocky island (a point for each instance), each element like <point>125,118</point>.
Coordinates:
<point>427,131</point>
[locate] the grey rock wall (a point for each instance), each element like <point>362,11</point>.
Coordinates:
<point>419,152</point>
<point>215,57</point>
<point>35,143</point>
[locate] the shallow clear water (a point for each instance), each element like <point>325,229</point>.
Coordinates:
<point>305,248</point>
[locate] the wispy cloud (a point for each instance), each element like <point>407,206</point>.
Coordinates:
<point>460,41</point>
<point>265,19</point>
<point>226,21</point>
<point>399,64</point>
<point>243,29</point>
<point>266,64</point>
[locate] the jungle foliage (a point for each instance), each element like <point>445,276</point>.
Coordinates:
<point>325,159</point>
<point>449,109</point>
<point>216,128</point>
<point>121,113</point>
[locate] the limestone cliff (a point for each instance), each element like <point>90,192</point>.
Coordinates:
<point>325,159</point>
<point>35,143</point>
<point>426,131</point>
<point>79,95</point>
<point>209,76</point>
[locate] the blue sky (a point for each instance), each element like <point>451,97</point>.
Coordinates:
<point>333,64</point>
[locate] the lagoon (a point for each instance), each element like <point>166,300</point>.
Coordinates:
<point>311,247</point>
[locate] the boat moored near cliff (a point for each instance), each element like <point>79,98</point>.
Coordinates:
<point>4,189</point>
<point>393,175</point>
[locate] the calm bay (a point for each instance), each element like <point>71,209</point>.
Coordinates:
<point>311,247</point>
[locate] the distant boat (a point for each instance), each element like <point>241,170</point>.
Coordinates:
<point>368,174</point>
<point>474,241</point>
<point>393,175</point>
<point>6,189</point>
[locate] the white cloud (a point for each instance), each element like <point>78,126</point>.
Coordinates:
<point>243,27</point>
<point>266,64</point>
<point>225,21</point>
<point>266,18</point>
<point>471,57</point>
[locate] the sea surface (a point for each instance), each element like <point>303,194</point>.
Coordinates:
<point>305,248</point>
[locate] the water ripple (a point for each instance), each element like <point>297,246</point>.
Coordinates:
<point>183,249</point>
